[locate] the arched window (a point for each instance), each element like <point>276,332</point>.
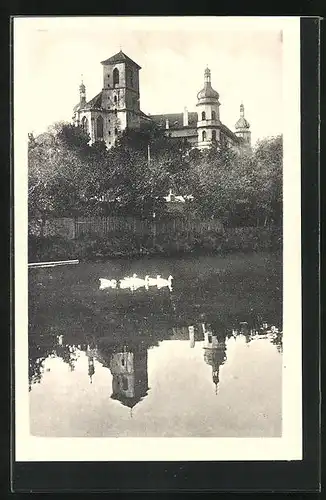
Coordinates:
<point>204,135</point>
<point>84,123</point>
<point>213,135</point>
<point>213,115</point>
<point>115,76</point>
<point>203,115</point>
<point>115,99</point>
<point>116,131</point>
<point>99,127</point>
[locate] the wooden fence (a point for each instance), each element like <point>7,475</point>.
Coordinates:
<point>105,226</point>
<point>130,225</point>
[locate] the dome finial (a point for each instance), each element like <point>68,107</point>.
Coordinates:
<point>207,93</point>
<point>242,123</point>
<point>82,88</point>
<point>207,75</point>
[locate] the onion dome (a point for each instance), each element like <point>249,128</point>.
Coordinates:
<point>82,88</point>
<point>207,94</point>
<point>242,122</point>
<point>82,97</point>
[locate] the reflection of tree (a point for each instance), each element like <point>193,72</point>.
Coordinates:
<point>67,353</point>
<point>36,368</point>
<point>47,347</point>
<point>38,353</point>
<point>120,318</point>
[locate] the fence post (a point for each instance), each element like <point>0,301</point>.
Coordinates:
<point>74,228</point>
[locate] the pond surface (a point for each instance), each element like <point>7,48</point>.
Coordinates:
<point>198,356</point>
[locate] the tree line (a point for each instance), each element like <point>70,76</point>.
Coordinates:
<point>68,177</point>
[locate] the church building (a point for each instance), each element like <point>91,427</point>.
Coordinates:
<point>117,107</point>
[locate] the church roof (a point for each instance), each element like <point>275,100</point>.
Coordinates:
<point>120,57</point>
<point>77,107</point>
<point>130,402</point>
<point>175,119</point>
<point>94,103</point>
<point>229,132</point>
<point>242,123</point>
<point>208,93</point>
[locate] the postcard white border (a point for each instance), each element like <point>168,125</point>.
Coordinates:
<point>289,447</point>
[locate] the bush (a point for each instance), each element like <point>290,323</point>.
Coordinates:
<point>123,245</point>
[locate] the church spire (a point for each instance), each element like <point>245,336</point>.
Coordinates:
<point>207,75</point>
<point>91,367</point>
<point>82,92</point>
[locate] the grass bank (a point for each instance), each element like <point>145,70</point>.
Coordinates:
<point>121,245</point>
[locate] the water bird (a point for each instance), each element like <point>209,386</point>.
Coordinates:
<point>132,282</point>
<point>150,281</point>
<point>105,283</point>
<point>161,282</point>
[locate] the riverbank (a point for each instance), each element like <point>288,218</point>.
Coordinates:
<point>120,245</point>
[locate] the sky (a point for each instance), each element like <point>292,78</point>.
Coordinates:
<point>243,54</point>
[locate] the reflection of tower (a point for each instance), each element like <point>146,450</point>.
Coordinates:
<point>215,353</point>
<point>191,330</point>
<point>130,378</point>
<point>91,368</point>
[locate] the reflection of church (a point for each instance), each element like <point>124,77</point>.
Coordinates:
<point>130,378</point>
<point>214,352</point>
<point>128,366</point>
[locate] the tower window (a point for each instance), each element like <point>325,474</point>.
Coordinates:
<point>115,99</point>
<point>131,77</point>
<point>123,361</point>
<point>213,115</point>
<point>203,115</point>
<point>99,127</point>
<point>84,124</point>
<point>115,111</point>
<point>125,384</point>
<point>116,131</point>
<point>115,76</point>
<point>213,135</point>
<point>204,136</point>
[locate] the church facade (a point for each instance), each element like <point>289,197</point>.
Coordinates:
<point>117,108</point>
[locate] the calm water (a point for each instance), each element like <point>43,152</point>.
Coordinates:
<point>202,358</point>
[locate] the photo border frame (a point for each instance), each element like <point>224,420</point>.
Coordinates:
<point>232,476</point>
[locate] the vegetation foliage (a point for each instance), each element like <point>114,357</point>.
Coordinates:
<point>70,177</point>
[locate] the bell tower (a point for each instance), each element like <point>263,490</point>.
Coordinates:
<point>120,94</point>
<point>208,109</point>
<point>242,128</point>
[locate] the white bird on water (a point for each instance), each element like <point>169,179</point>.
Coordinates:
<point>161,282</point>
<point>150,281</point>
<point>105,283</point>
<point>132,282</point>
